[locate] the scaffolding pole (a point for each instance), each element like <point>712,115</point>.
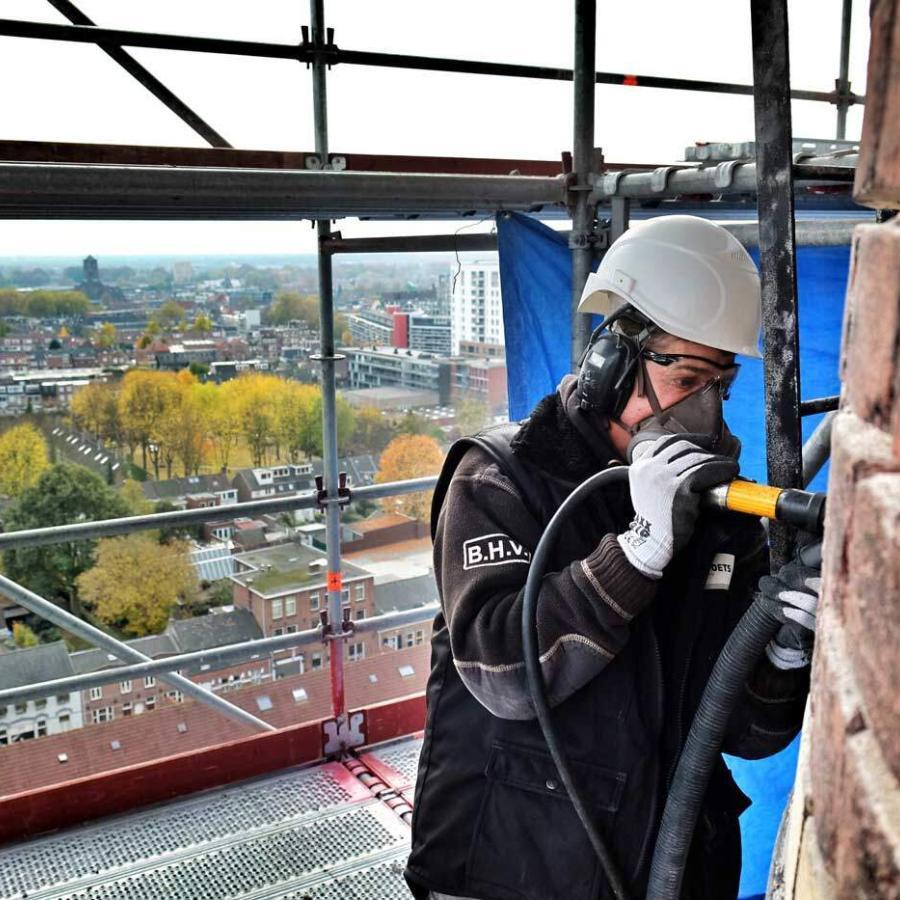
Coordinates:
<point>217,657</point>
<point>48,191</point>
<point>843,82</point>
<point>327,357</point>
<point>146,78</point>
<point>582,235</point>
<point>333,55</point>
<point>778,271</point>
<point>68,622</point>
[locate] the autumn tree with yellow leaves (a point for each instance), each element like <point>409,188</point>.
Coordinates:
<point>409,456</point>
<point>23,457</point>
<point>136,582</point>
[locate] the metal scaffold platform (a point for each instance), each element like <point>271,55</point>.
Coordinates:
<point>331,832</point>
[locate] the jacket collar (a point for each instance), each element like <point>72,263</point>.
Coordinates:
<point>561,440</point>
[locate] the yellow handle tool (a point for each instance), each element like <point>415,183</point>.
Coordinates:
<point>802,509</point>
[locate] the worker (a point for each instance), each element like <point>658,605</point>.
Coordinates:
<point>643,590</point>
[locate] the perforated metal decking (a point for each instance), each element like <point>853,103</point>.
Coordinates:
<point>320,833</point>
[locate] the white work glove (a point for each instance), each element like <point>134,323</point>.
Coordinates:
<point>666,478</point>
<point>795,594</point>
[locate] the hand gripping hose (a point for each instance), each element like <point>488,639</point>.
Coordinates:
<point>535,678</point>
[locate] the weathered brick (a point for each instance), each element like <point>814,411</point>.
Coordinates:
<point>858,451</point>
<point>871,611</point>
<point>855,798</point>
<point>878,169</point>
<point>871,341</point>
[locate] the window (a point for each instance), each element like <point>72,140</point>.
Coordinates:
<point>150,703</point>
<point>64,721</point>
<point>102,714</point>
<point>345,596</point>
<point>360,593</point>
<point>420,636</point>
<point>62,698</point>
<point>97,693</point>
<point>291,629</point>
<point>177,696</point>
<point>406,671</point>
<point>360,614</point>
<point>290,606</point>
<point>3,711</point>
<point>277,609</point>
<point>4,738</point>
<point>126,709</point>
<point>40,703</point>
<point>316,661</point>
<point>314,600</point>
<point>125,687</point>
<point>278,632</point>
<point>264,702</point>
<point>356,651</point>
<point>300,695</point>
<point>409,639</point>
<point>149,681</point>
<point>41,730</point>
<point>392,642</point>
<point>22,707</point>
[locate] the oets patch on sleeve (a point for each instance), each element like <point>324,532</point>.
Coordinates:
<point>720,572</point>
<point>493,550</point>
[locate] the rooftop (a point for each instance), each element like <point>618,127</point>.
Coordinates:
<point>290,569</point>
<point>35,764</point>
<point>395,562</point>
<point>34,664</point>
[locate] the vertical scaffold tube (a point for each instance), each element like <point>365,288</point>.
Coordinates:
<point>327,358</point>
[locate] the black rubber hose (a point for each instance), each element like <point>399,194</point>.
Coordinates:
<point>536,681</point>
<point>701,749</point>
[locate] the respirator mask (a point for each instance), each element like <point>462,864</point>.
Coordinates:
<point>698,416</point>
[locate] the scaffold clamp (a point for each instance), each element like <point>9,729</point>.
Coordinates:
<point>344,495</point>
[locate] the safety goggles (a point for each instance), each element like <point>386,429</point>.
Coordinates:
<point>722,383</point>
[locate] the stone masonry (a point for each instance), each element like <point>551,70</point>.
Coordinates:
<point>842,835</point>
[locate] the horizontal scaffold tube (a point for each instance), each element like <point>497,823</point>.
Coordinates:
<point>142,192</point>
<point>84,531</point>
<point>215,658</point>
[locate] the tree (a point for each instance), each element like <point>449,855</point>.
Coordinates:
<point>471,415</point>
<point>170,316</point>
<point>23,636</point>
<point>409,456</point>
<point>372,433</point>
<point>136,582</point>
<point>219,408</point>
<point>413,423</point>
<point>63,494</point>
<point>23,457</point>
<point>133,494</point>
<point>95,408</point>
<point>106,335</point>
<point>202,323</point>
<point>289,306</point>
<point>254,394</point>
<point>143,402</point>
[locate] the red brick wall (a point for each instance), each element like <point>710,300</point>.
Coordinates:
<point>855,704</point>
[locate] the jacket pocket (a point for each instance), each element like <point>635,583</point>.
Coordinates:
<point>528,841</point>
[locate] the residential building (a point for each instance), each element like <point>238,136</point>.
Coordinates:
<point>427,332</point>
<point>392,367</point>
<point>371,327</point>
<point>53,714</point>
<point>43,390</point>
<point>120,699</point>
<point>190,726</point>
<point>476,310</point>
<point>482,379</point>
<point>209,490</point>
<point>285,587</point>
<point>272,481</point>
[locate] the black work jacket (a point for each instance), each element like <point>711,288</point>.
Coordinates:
<point>490,818</point>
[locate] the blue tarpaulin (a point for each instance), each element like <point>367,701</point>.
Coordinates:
<point>536,284</point>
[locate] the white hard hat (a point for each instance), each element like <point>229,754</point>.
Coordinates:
<point>689,276</point>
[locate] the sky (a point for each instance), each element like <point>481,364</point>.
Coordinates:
<point>73,92</point>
